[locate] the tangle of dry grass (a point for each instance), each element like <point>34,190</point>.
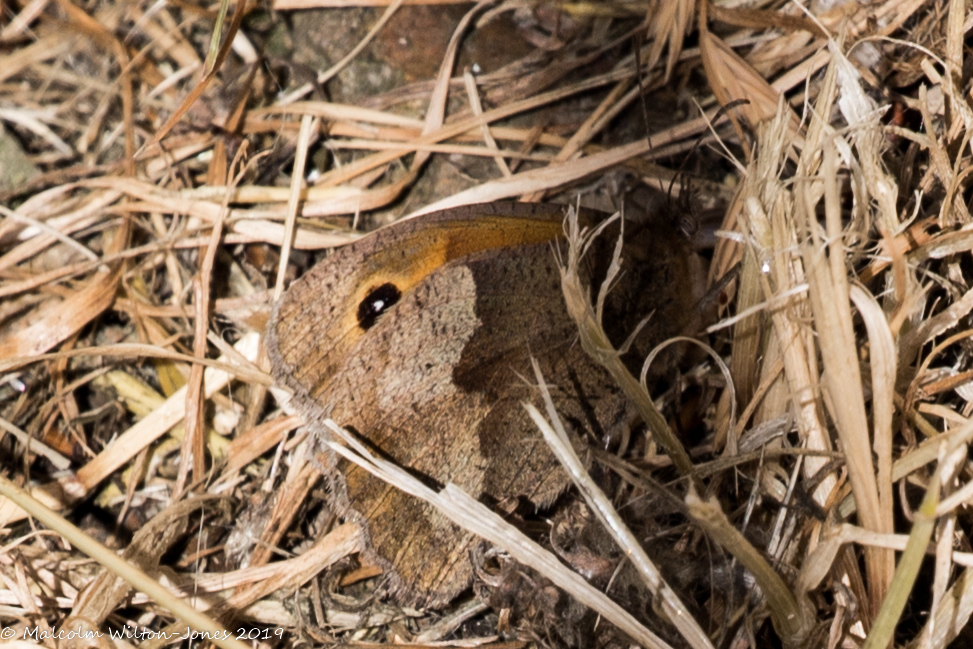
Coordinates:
<point>156,160</point>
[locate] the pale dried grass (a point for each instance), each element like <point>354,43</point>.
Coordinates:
<point>842,296</point>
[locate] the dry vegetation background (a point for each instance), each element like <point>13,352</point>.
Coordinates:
<point>152,164</point>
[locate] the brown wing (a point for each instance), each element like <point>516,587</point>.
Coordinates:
<point>439,389</point>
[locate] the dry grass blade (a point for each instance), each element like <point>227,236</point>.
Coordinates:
<point>910,562</point>
<point>791,613</point>
<point>557,439</point>
<point>293,201</point>
<point>216,633</point>
<point>539,180</point>
<point>733,79</point>
<point>668,27</point>
<point>595,342</point>
<point>794,347</point>
<point>474,98</point>
<point>883,365</point>
<point>838,342</point>
<point>832,313</point>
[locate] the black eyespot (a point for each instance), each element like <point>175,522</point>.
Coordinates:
<point>377,302</point>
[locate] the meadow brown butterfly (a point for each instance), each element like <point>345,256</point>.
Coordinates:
<point>418,338</point>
